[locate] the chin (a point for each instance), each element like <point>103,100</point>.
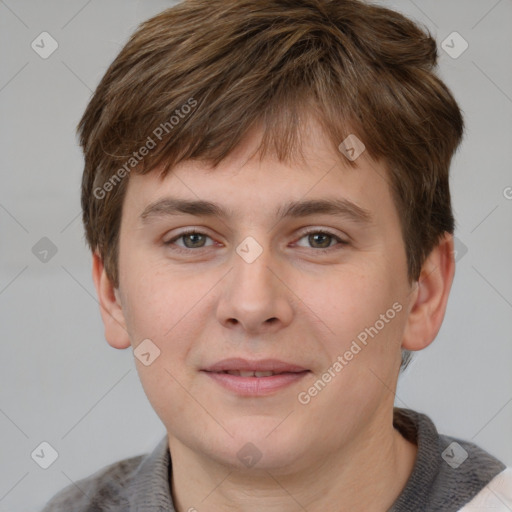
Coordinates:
<point>258,444</point>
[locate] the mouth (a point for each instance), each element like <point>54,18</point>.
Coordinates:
<point>254,373</point>
<point>239,365</point>
<point>255,378</point>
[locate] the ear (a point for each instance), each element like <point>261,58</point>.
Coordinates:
<point>112,314</point>
<point>430,296</point>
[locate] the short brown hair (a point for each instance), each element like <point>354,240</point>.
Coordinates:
<point>358,68</point>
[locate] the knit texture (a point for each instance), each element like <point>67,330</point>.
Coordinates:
<point>434,484</point>
<point>441,481</point>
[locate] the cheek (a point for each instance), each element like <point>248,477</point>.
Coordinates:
<point>356,304</point>
<point>170,309</point>
<point>161,309</point>
<point>156,300</point>
<point>350,297</point>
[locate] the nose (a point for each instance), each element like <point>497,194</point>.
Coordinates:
<point>255,298</point>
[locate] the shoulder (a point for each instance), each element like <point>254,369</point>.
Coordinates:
<point>495,496</point>
<point>103,490</point>
<point>450,474</point>
<point>468,474</point>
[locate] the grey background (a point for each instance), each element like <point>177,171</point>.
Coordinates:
<point>63,384</point>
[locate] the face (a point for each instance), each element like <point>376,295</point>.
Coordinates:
<point>297,270</point>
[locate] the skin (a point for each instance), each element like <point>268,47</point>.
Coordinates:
<point>339,452</point>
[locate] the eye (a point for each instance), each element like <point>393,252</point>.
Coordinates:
<point>191,240</point>
<point>322,240</point>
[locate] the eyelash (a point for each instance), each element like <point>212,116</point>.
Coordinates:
<point>341,242</point>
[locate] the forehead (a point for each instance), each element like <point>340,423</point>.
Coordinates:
<point>318,180</point>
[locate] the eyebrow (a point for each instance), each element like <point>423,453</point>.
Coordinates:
<point>294,209</point>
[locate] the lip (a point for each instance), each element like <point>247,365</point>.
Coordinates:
<point>261,365</point>
<point>288,375</point>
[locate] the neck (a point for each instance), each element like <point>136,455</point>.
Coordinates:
<point>368,475</point>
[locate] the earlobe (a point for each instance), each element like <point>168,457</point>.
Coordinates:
<point>111,311</point>
<point>430,296</point>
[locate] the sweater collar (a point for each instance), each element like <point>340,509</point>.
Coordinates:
<point>433,482</point>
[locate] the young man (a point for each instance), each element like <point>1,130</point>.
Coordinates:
<point>266,195</point>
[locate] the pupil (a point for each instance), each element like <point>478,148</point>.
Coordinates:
<point>194,237</point>
<point>317,237</point>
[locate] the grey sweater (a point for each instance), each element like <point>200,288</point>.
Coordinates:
<point>448,474</point>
